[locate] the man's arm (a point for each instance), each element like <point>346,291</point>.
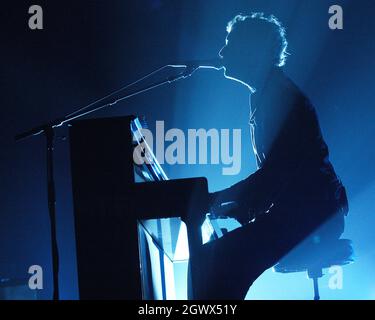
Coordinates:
<point>289,151</point>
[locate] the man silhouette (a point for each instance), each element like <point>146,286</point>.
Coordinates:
<point>295,196</point>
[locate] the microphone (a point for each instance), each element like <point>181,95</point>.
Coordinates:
<point>192,65</point>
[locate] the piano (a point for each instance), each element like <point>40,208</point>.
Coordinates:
<point>123,210</point>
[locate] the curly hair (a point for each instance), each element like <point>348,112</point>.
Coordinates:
<point>269,28</point>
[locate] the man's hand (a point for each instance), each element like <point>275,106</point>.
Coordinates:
<point>232,210</point>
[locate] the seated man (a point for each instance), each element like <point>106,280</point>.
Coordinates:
<point>295,195</point>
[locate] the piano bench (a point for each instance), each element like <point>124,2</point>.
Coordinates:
<point>314,257</point>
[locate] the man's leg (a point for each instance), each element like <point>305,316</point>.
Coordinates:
<point>227,267</point>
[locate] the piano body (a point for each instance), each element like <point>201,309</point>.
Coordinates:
<point>128,217</point>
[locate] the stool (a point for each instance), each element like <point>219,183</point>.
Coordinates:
<point>313,257</point>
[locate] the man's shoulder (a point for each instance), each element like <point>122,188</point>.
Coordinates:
<point>298,96</point>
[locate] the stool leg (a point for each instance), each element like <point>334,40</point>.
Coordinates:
<point>316,289</point>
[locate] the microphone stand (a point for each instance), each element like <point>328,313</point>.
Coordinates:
<point>48,130</point>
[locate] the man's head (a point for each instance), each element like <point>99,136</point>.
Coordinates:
<point>254,45</point>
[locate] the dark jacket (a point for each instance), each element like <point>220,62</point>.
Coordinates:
<point>292,159</point>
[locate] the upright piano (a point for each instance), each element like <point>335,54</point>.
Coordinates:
<point>122,210</point>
